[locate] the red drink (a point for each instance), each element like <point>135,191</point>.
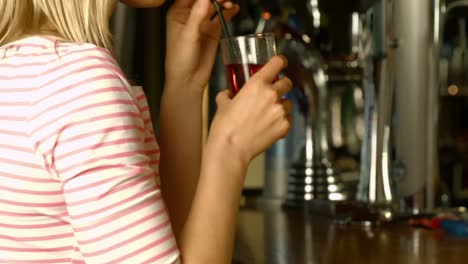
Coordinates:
<point>243,56</point>
<point>238,74</point>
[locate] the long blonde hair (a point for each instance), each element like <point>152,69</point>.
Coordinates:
<point>85,21</point>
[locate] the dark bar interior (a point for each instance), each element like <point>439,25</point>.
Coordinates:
<point>375,167</point>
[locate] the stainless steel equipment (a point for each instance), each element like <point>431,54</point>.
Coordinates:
<point>330,84</point>
<point>312,176</point>
<point>398,54</point>
<point>398,153</point>
<point>387,53</point>
<point>375,185</point>
<point>414,135</point>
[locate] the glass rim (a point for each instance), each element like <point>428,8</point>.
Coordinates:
<point>256,35</point>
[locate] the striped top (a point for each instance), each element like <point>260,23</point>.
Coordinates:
<point>79,178</point>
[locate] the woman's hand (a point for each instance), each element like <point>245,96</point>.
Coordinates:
<point>192,42</point>
<point>256,117</point>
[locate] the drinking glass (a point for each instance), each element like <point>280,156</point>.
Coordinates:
<point>243,56</point>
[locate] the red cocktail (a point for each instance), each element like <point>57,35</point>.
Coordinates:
<point>245,55</point>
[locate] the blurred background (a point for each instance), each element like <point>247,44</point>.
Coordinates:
<point>381,98</point>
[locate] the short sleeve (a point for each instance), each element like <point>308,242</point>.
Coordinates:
<point>89,132</point>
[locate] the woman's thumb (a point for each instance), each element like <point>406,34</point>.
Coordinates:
<point>223,97</point>
<point>198,14</point>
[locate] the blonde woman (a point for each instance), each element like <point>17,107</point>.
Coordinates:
<point>79,166</point>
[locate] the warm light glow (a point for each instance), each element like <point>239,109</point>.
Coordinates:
<point>385,165</point>
<point>308,180</point>
<point>315,12</point>
<point>332,188</point>
<point>308,188</point>
<point>336,197</point>
<point>266,15</point>
<point>388,215</point>
<point>453,89</point>
<point>308,197</point>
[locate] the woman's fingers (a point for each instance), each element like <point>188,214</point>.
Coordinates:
<point>270,71</point>
<point>183,3</point>
<point>190,3</point>
<point>225,3</point>
<point>212,13</point>
<point>228,4</point>
<point>287,126</point>
<point>230,9</point>
<point>203,10</point>
<point>198,14</point>
<point>223,97</point>
<point>284,122</point>
<point>228,13</point>
<point>287,105</point>
<point>283,86</point>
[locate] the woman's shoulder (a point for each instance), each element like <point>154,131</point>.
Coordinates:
<point>53,45</point>
<point>50,54</point>
<point>85,59</point>
<point>72,51</point>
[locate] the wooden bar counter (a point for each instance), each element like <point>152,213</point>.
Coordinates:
<point>280,236</point>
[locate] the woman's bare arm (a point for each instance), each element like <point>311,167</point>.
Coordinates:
<point>242,128</point>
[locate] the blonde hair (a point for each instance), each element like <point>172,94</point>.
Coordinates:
<point>84,21</point>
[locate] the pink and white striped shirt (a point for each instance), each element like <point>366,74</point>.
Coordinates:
<point>79,178</point>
